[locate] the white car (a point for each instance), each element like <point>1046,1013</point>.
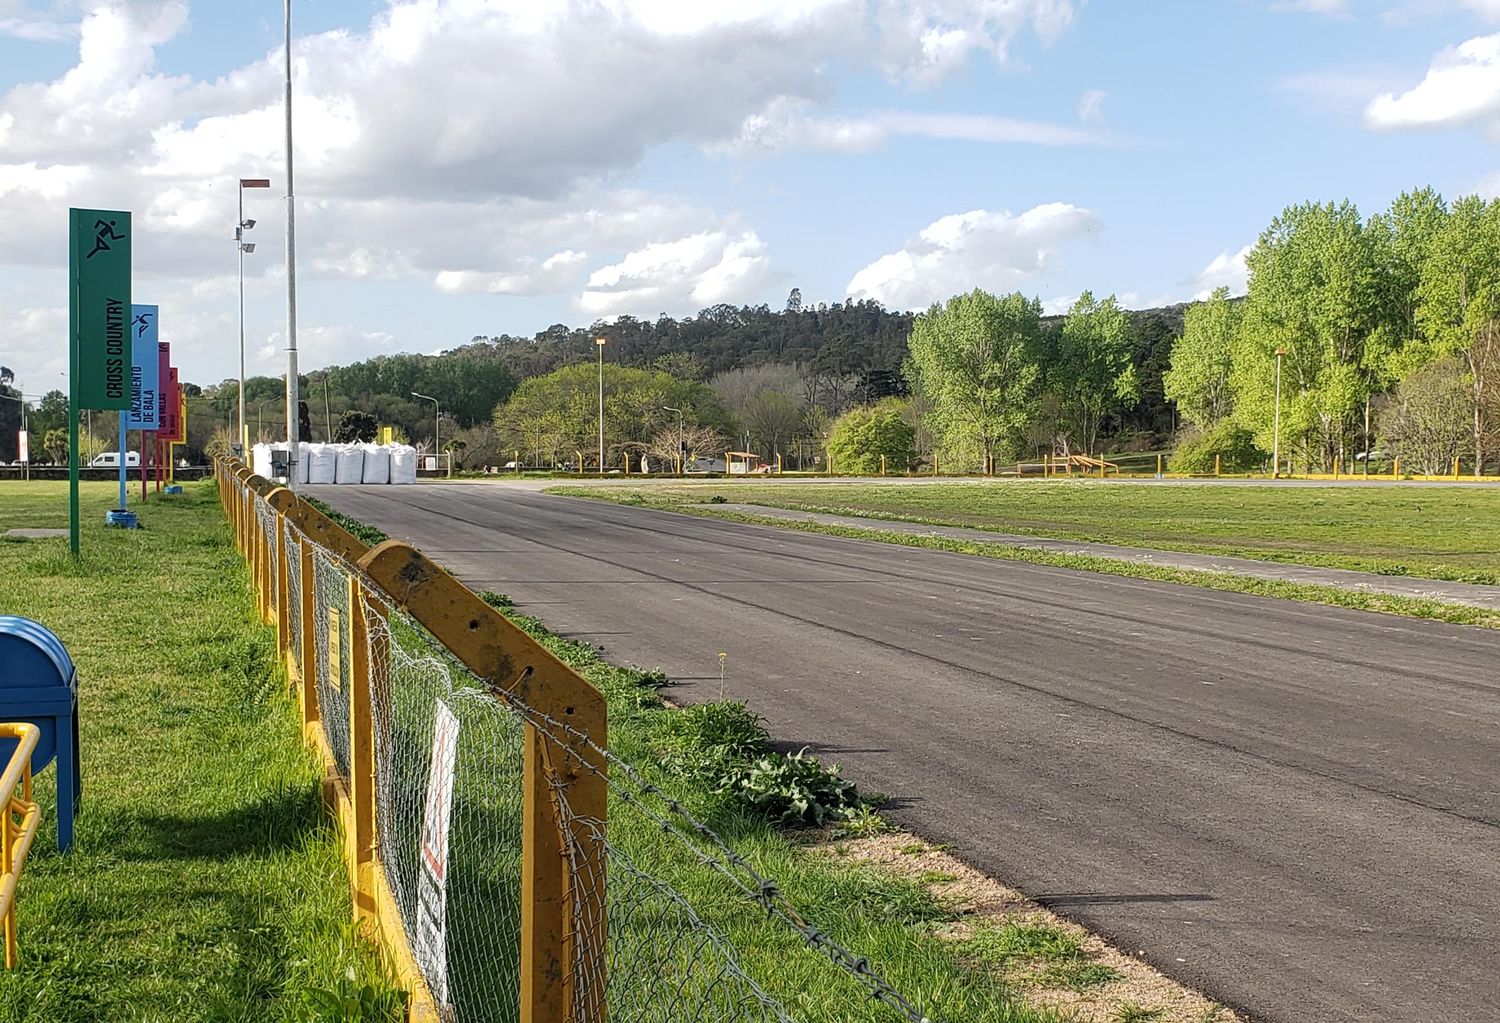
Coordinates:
<point>111,460</point>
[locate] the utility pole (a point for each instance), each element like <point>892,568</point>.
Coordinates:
<point>599,343</point>
<point>1276,435</point>
<point>291,270</point>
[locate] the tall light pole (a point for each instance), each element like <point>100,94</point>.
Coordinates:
<point>291,270</point>
<point>242,225</point>
<point>1276,435</point>
<point>599,343</point>
<point>681,454</point>
<point>436,414</point>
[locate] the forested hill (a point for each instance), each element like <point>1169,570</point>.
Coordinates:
<point>855,341</point>
<point>853,337</point>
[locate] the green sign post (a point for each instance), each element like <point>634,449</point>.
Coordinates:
<point>99,327</point>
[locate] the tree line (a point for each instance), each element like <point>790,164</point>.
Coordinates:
<point>1384,332</point>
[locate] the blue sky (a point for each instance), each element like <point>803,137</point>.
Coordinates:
<point>471,167</point>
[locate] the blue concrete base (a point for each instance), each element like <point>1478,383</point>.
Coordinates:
<point>122,519</point>
<point>173,489</point>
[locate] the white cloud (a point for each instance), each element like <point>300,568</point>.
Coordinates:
<point>1226,270</point>
<point>1090,105</point>
<point>681,276</point>
<point>979,249</point>
<point>552,274</point>
<point>786,124</point>
<point>471,144</point>
<point>1462,86</point>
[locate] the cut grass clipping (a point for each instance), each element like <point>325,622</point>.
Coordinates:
<point>207,881</point>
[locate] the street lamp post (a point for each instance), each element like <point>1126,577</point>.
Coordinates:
<point>241,225</point>
<point>436,414</point>
<point>681,454</point>
<point>599,343</point>
<point>1276,429</point>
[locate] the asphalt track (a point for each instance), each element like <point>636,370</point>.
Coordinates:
<point>1294,808</point>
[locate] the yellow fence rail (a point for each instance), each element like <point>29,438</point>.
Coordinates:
<point>563,791</point>
<point>22,816</point>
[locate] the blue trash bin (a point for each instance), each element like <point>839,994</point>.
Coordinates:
<point>39,684</point>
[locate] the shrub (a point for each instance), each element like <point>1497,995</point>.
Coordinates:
<point>1232,443</point>
<point>711,740</point>
<point>861,435</point>
<point>794,790</point>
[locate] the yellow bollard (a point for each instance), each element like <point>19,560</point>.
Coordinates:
<point>625,457</point>
<point>1101,465</point>
<point>1158,463</point>
<point>1336,466</point>
<point>1216,466</point>
<point>518,461</point>
<point>882,465</point>
<point>934,463</point>
<point>778,463</point>
<point>579,455</point>
<point>1396,469</point>
<point>1455,467</point>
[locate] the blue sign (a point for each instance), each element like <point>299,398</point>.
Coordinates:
<point>145,371</point>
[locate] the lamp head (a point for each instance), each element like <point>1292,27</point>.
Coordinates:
<point>247,224</point>
<point>247,247</point>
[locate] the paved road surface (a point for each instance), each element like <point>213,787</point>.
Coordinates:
<point>1291,807</point>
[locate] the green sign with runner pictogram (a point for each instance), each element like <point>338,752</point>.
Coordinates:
<point>99,267</point>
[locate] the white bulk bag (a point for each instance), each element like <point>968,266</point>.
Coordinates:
<point>320,463</point>
<point>403,463</point>
<point>349,466</point>
<point>260,460</point>
<point>377,464</point>
<point>302,462</point>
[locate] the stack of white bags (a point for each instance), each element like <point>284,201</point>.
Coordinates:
<point>346,463</point>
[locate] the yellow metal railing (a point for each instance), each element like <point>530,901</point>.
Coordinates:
<point>21,819</point>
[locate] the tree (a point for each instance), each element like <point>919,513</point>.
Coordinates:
<point>56,443</point>
<point>355,426</point>
<point>1092,375</point>
<point>697,441</point>
<point>973,360</point>
<point>772,419</point>
<point>1202,358</point>
<point>558,413</point>
<point>1317,281</point>
<point>1428,420</point>
<point>861,436</point>
<point>1459,303</point>
<point>794,301</point>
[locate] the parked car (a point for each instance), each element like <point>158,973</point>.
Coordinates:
<point>111,460</point>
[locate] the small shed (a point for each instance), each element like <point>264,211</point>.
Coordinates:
<point>741,463</point>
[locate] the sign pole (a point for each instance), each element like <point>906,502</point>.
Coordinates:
<point>73,421</point>
<point>121,451</point>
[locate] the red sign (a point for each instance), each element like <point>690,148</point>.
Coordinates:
<point>171,409</point>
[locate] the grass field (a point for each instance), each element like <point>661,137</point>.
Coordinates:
<point>206,883</point>
<point>1436,533</point>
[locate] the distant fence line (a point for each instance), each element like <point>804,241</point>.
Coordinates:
<point>473,778</point>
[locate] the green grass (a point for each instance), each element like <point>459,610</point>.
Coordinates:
<point>1436,533</point>
<point>886,918</point>
<point>1334,596</point>
<point>206,882</point>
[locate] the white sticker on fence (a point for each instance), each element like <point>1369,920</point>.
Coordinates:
<point>432,885</point>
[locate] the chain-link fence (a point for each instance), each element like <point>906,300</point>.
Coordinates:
<point>510,862</point>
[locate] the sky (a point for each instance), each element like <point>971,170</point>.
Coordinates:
<point>478,167</point>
